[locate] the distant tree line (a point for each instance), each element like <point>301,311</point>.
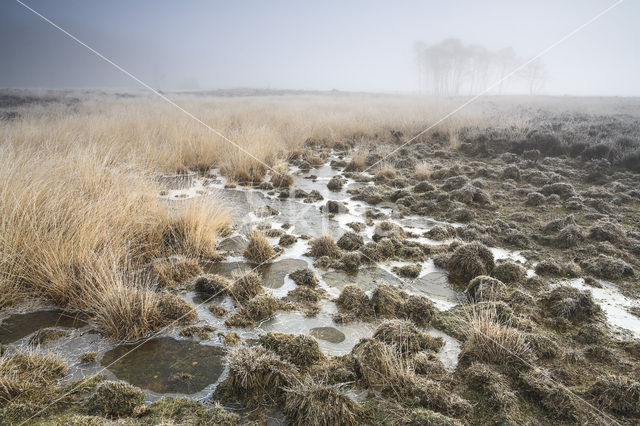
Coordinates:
<point>453,68</point>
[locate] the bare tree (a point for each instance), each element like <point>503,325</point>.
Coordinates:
<point>452,68</point>
<point>535,75</point>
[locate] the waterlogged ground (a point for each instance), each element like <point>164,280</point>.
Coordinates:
<point>174,364</point>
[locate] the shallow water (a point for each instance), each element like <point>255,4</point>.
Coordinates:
<point>17,326</point>
<point>613,303</point>
<point>167,365</point>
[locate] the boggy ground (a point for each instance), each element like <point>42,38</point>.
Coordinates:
<point>536,347</point>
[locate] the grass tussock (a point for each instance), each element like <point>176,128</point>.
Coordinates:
<point>493,340</point>
<point>422,171</point>
<point>259,374</point>
<point>73,226</point>
<point>318,404</point>
<point>259,249</point>
<point>28,374</point>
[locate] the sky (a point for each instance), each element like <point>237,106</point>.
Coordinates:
<point>353,45</point>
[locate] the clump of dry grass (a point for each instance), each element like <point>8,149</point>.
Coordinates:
<point>259,249</point>
<point>73,226</point>
<point>324,246</point>
<point>618,394</point>
<point>171,272</point>
<point>406,337</point>
<point>280,177</point>
<point>357,163</point>
<point>301,350</point>
<point>28,374</point>
<point>258,373</point>
<point>492,340</point>
<point>256,309</point>
<point>318,404</point>
<point>194,228</point>
<point>422,171</point>
<point>385,173</point>
<point>381,366</point>
<point>246,286</point>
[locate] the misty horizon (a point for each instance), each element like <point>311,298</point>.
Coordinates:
<point>357,47</point>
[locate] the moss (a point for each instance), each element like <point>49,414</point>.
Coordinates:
<point>171,272</point>
<point>350,241</point>
<point>246,286</point>
<point>174,309</point>
<point>212,284</point>
<point>318,404</point>
<point>387,302</point>
<point>470,260</point>
<point>509,272</point>
<point>406,337</point>
<point>301,350</point>
<point>115,399</point>
<point>483,288</point>
<point>46,336</point>
<point>88,357</point>
<point>408,271</point>
<point>324,246</point>
<point>257,309</point>
<point>258,249</point>
<point>259,375</point>
<point>304,277</point>
<point>202,331</point>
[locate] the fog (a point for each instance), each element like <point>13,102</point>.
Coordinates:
<point>352,46</point>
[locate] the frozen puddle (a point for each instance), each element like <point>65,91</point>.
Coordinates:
<point>166,365</point>
<point>614,304</point>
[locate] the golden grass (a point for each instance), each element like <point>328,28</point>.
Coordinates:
<point>422,171</point>
<point>259,249</point>
<point>491,340</point>
<point>73,223</point>
<point>78,185</point>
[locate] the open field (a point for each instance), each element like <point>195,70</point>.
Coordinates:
<point>486,272</point>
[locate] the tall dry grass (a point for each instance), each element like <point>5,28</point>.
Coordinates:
<point>78,194</point>
<point>73,223</point>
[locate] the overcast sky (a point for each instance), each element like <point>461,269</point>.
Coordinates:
<point>348,45</point>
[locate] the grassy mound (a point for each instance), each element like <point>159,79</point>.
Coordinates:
<point>317,404</point>
<point>301,350</point>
